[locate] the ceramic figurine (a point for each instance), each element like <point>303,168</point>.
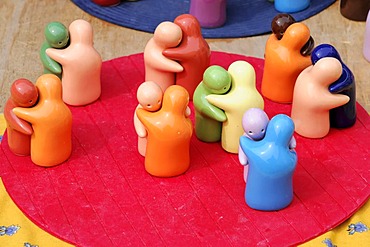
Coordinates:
<point>254,123</point>
<point>355,10</point>
<point>210,14</point>
<point>288,6</point>
<point>209,118</point>
<point>312,99</point>
<point>106,3</point>
<point>343,116</point>
<point>169,132</point>
<point>366,48</point>
<point>159,68</point>
<point>51,120</point>
<point>149,94</point>
<point>81,65</point>
<point>284,62</point>
<point>271,166</point>
<point>193,53</point>
<point>22,94</point>
<point>56,36</point>
<point>242,96</point>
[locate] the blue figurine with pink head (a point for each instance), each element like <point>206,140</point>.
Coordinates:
<point>271,166</point>
<point>343,116</point>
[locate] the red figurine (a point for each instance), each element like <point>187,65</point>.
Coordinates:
<point>22,94</point>
<point>193,53</point>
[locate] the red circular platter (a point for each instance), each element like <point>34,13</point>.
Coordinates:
<point>102,195</point>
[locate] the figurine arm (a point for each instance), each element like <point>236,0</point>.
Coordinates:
<point>144,117</point>
<point>56,54</point>
<point>218,101</point>
<point>292,143</point>
<point>139,127</point>
<point>335,100</point>
<point>26,115</point>
<point>178,53</point>
<point>48,62</point>
<point>187,111</point>
<point>160,62</point>
<point>18,124</point>
<point>243,159</point>
<point>211,111</point>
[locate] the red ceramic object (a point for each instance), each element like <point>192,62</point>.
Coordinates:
<point>193,53</point>
<point>22,94</point>
<point>106,2</point>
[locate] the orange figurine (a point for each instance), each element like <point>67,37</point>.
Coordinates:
<point>158,68</point>
<point>22,94</point>
<point>284,62</point>
<point>312,99</point>
<point>169,132</point>
<point>81,65</point>
<point>193,53</point>
<point>51,119</point>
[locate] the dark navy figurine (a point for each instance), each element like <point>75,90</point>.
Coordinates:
<point>271,166</point>
<point>345,115</point>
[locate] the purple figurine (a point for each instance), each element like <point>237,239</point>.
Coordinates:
<point>366,48</point>
<point>210,13</point>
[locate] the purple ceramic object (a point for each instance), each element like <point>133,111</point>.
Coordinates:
<point>210,13</point>
<point>366,49</point>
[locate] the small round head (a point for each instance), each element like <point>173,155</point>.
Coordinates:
<point>280,23</point>
<point>324,50</point>
<point>168,34</point>
<point>254,123</point>
<point>24,93</point>
<point>189,24</point>
<point>56,35</point>
<point>217,79</point>
<point>149,94</point>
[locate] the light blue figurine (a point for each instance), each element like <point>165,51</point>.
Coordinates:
<point>271,166</point>
<point>291,6</point>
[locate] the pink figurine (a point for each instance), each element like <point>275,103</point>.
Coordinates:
<point>193,53</point>
<point>158,68</point>
<point>51,120</point>
<point>22,94</point>
<point>210,13</point>
<point>312,99</point>
<point>149,94</point>
<point>81,65</point>
<point>169,133</point>
<point>366,49</point>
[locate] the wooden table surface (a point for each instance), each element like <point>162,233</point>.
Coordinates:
<point>23,21</point>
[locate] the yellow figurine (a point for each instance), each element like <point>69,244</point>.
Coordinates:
<point>242,96</point>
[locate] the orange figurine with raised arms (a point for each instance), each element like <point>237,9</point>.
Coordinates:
<point>193,53</point>
<point>312,99</point>
<point>51,120</point>
<point>158,68</point>
<point>169,133</point>
<point>284,62</point>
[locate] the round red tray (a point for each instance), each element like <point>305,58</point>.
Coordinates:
<point>102,195</point>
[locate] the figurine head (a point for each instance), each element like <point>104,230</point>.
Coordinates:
<point>24,93</point>
<point>175,99</point>
<point>49,87</point>
<point>324,50</point>
<point>81,31</point>
<point>167,34</point>
<point>56,35</point>
<point>189,25</point>
<point>149,94</point>
<point>254,122</point>
<point>280,23</point>
<point>217,79</point>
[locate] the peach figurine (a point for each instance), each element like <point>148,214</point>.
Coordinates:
<point>284,62</point>
<point>169,132</point>
<point>81,65</point>
<point>22,94</point>
<point>159,68</point>
<point>149,94</point>
<point>242,96</point>
<point>51,120</point>
<point>312,99</point>
<point>193,53</point>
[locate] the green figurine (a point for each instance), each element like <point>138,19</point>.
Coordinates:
<point>57,36</point>
<point>209,118</point>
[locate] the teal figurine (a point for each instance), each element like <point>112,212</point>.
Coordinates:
<point>209,118</point>
<point>343,116</point>
<point>56,36</point>
<point>271,166</point>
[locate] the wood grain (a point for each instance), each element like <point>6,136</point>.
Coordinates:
<point>21,35</point>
